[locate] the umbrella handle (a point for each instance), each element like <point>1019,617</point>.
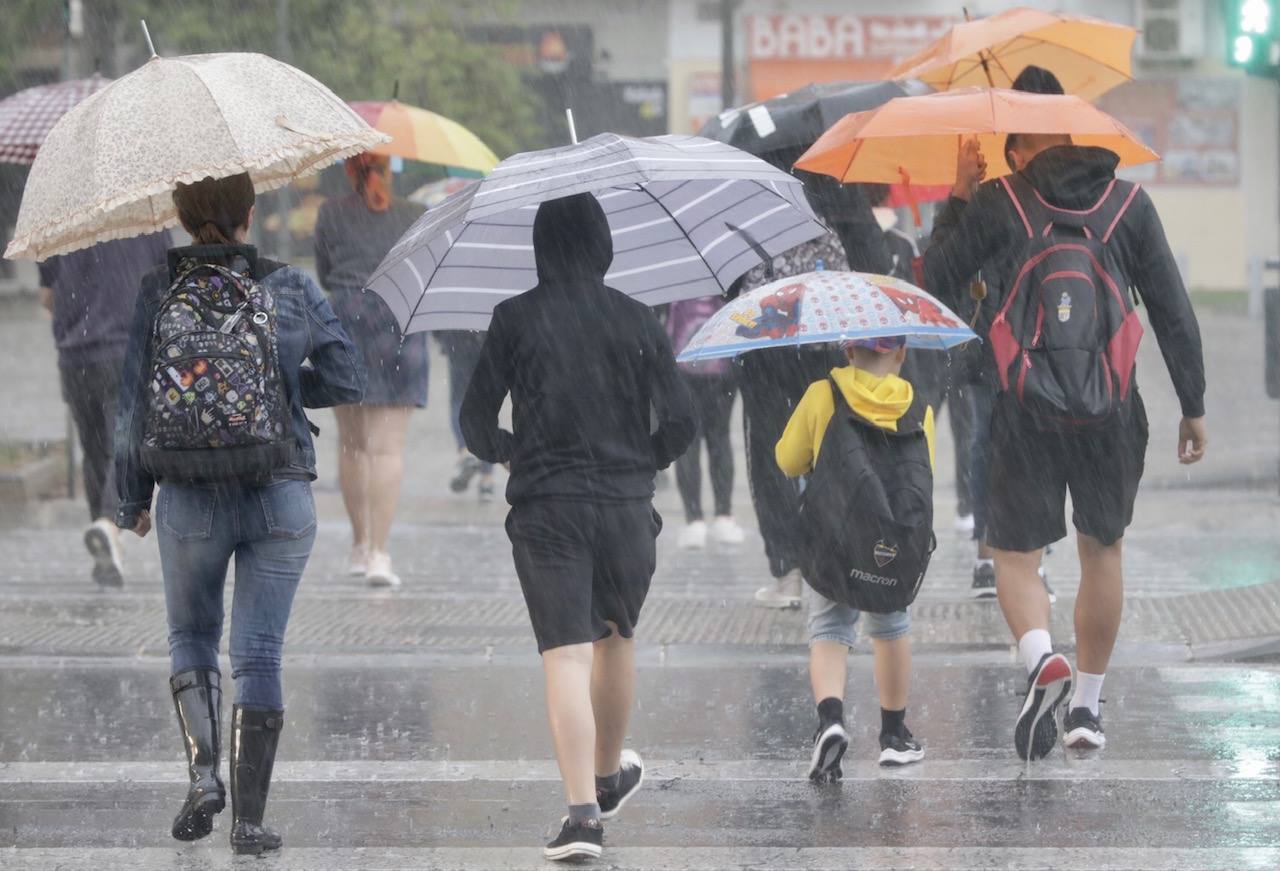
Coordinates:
<point>911,197</point>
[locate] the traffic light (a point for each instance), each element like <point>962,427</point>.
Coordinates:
<point>1251,36</point>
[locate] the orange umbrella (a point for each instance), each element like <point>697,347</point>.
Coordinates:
<point>1088,55</point>
<point>920,137</point>
<point>417,134</point>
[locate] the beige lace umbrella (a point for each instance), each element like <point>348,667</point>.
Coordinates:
<point>108,168</point>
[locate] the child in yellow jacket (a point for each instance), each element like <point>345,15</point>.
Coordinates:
<point>873,389</point>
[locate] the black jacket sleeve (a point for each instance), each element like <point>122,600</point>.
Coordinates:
<point>1154,273</point>
<point>965,238</point>
<point>489,387</point>
<point>672,402</point>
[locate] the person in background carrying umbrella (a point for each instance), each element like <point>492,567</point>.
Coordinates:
<point>267,319</point>
<point>90,294</point>
<point>588,369</point>
<point>1065,198</point>
<point>773,380</point>
<point>713,389</point>
<point>353,234</point>
<point>929,374</point>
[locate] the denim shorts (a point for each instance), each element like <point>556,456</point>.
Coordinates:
<point>832,621</point>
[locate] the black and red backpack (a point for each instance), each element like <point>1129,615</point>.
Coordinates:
<point>1066,336</point>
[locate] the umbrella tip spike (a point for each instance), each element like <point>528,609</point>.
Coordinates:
<point>151,47</point>
<point>573,131</point>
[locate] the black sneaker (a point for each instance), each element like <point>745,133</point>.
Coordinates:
<point>576,841</point>
<point>900,748</point>
<point>984,581</point>
<point>829,744</point>
<point>468,468</point>
<point>630,779</point>
<point>1047,686</point>
<point>1082,728</point>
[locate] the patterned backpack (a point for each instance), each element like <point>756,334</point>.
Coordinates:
<point>216,408</point>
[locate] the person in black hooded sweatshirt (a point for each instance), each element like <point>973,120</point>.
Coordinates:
<point>598,406</point>
<point>1031,467</point>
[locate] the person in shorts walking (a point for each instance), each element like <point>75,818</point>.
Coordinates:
<point>1068,417</point>
<point>598,407</point>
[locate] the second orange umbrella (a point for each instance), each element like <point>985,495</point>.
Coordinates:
<point>921,136</point>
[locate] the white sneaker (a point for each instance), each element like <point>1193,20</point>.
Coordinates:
<point>102,541</point>
<point>964,523</point>
<point>380,573</point>
<point>783,593</point>
<point>725,530</point>
<point>694,536</point>
<point>358,561</point>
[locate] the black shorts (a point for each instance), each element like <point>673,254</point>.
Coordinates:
<point>581,565</point>
<point>1030,471</point>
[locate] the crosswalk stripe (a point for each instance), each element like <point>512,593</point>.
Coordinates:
<point>1059,767</point>
<point>216,857</point>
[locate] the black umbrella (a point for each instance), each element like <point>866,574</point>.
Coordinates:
<point>797,119</point>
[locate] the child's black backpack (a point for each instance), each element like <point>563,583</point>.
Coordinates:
<point>867,511</point>
<point>216,408</point>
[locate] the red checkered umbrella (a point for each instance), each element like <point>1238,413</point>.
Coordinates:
<point>27,117</point>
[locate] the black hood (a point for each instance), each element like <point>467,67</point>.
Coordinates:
<point>571,241</point>
<point>1072,176</point>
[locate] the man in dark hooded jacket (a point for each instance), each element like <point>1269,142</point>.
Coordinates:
<point>1031,469</point>
<point>589,370</point>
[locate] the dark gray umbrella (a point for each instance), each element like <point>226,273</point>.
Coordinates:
<point>797,119</point>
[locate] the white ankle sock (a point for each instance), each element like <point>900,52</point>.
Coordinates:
<point>1088,691</point>
<point>1033,646</point>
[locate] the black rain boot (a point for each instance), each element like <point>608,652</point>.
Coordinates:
<point>255,734</point>
<point>197,700</point>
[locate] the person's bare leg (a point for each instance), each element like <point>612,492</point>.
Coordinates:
<point>828,666</point>
<point>613,693</point>
<point>573,725</point>
<point>1099,604</point>
<point>353,470</point>
<point>1022,595</point>
<point>387,427</point>
<point>893,671</point>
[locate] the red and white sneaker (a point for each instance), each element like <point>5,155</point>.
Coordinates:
<point>1037,729</point>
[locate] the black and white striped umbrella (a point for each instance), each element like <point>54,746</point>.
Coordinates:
<point>688,217</point>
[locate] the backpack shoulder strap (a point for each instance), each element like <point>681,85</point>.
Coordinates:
<point>1111,208</point>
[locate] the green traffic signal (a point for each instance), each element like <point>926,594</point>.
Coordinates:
<point>1251,26</point>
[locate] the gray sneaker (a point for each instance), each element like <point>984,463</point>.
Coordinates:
<point>784,593</point>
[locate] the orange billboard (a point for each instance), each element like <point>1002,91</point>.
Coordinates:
<point>786,52</point>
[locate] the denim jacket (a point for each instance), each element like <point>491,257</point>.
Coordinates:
<point>307,330</point>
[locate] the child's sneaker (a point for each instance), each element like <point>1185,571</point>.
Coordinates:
<point>576,841</point>
<point>900,748</point>
<point>630,779</point>
<point>1082,729</point>
<point>1037,730</point>
<point>984,580</point>
<point>829,744</point>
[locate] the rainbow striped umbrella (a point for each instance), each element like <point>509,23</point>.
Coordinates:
<point>417,134</point>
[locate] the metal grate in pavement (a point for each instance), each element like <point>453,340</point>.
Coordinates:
<point>136,626</point>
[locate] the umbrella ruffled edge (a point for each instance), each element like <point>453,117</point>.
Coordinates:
<point>322,153</point>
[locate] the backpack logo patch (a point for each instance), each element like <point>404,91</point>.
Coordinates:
<point>885,553</point>
<point>1064,308</point>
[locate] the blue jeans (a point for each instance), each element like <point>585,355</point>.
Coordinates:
<point>269,530</point>
<point>835,621</point>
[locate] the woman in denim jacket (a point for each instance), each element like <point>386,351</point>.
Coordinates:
<point>269,527</point>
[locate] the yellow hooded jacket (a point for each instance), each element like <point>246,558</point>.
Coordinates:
<point>883,400</point>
